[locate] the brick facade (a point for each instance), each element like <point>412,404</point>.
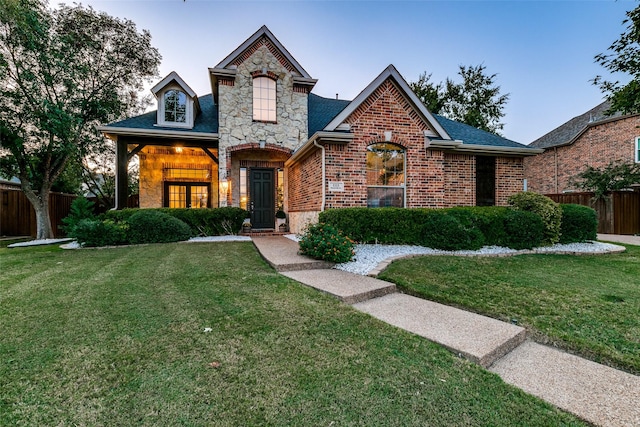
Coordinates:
<point>433,178</point>
<point>597,146</point>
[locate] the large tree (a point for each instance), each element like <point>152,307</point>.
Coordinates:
<point>62,72</point>
<point>623,57</point>
<point>475,101</point>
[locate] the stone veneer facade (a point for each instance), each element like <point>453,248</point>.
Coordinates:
<point>613,140</point>
<point>154,161</point>
<point>235,104</point>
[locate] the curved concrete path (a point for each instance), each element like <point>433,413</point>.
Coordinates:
<point>596,393</point>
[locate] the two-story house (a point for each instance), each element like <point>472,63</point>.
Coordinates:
<point>263,141</point>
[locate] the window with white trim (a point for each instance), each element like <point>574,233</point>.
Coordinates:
<point>264,99</point>
<point>175,106</point>
<point>385,175</point>
<point>637,151</point>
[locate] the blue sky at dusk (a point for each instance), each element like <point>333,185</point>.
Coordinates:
<point>542,51</point>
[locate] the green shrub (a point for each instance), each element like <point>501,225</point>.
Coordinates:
<point>579,224</point>
<point>438,230</point>
<point>543,206</point>
<point>488,219</point>
<point>322,241</point>
<point>93,232</point>
<point>81,208</point>
<point>203,222</point>
<point>152,226</point>
<point>523,230</point>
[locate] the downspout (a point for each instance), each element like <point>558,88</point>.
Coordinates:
<point>324,173</point>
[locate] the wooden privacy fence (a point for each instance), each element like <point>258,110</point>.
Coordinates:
<point>618,212</point>
<point>17,217</point>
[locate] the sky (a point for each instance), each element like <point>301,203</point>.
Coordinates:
<point>542,51</point>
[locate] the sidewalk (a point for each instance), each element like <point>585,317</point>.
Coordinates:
<point>620,238</point>
<point>596,393</point>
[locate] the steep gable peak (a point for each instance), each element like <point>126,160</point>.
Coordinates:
<point>173,77</point>
<point>262,37</point>
<point>390,73</point>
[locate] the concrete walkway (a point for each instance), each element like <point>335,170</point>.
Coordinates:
<point>596,393</point>
<point>620,238</point>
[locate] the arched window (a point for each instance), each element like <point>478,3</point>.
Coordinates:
<point>175,106</point>
<point>385,175</point>
<point>264,99</point>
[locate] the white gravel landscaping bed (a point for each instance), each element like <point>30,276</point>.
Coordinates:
<point>368,258</point>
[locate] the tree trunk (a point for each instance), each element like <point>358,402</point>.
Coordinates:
<point>43,219</point>
<point>40,203</point>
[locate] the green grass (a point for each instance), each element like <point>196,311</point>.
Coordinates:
<point>116,337</point>
<point>589,305</point>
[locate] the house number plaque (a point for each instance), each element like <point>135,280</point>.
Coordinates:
<point>336,186</point>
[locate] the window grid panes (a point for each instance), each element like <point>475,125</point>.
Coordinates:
<point>243,188</point>
<point>191,174</point>
<point>199,196</point>
<point>177,196</point>
<point>638,150</point>
<point>175,106</point>
<point>385,175</point>
<point>264,99</point>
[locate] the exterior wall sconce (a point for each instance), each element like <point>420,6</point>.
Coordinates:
<point>263,143</point>
<point>224,186</point>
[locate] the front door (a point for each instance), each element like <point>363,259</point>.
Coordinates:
<point>262,189</point>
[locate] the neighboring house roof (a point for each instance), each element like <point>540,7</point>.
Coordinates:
<point>474,136</point>
<point>322,111</point>
<point>206,121</point>
<point>566,133</point>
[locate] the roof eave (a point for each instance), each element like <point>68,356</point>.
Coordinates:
<point>320,136</point>
<point>111,131</point>
<point>460,147</point>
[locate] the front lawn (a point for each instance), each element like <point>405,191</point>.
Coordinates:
<point>586,304</point>
<point>116,337</point>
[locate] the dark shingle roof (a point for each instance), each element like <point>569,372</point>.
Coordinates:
<point>322,111</point>
<point>474,136</point>
<point>566,132</point>
<point>206,121</point>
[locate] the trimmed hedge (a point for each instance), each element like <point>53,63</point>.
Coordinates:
<point>93,232</point>
<point>151,226</point>
<point>579,224</point>
<point>447,229</point>
<point>543,206</point>
<point>203,222</point>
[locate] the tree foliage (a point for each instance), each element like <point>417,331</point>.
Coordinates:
<point>475,101</point>
<point>623,56</point>
<point>62,72</point>
<point>615,176</point>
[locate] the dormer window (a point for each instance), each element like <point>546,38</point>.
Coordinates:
<point>175,106</point>
<point>178,104</point>
<point>264,99</point>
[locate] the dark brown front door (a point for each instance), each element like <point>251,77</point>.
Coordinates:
<point>262,189</point>
<point>485,181</point>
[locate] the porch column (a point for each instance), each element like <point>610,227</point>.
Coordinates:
<point>121,174</point>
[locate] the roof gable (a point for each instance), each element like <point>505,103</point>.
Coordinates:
<point>172,77</point>
<point>389,73</point>
<point>263,37</point>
